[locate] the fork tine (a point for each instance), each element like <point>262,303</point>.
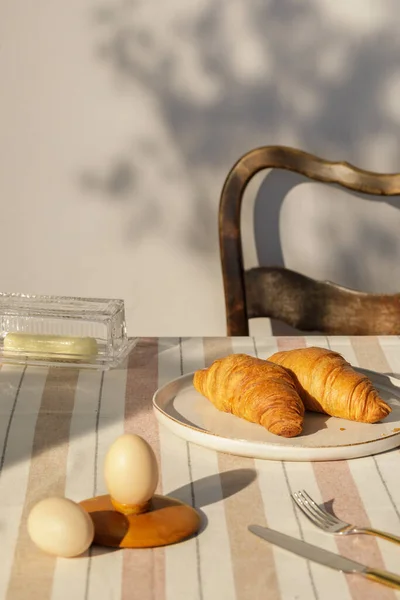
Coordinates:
<point>322,512</point>
<point>306,509</point>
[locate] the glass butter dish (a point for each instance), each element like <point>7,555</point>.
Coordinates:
<point>63,331</point>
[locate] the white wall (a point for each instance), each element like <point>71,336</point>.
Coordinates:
<point>120,119</point>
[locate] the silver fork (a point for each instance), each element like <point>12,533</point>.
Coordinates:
<point>331,524</point>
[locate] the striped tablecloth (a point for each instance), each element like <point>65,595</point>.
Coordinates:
<point>57,424</point>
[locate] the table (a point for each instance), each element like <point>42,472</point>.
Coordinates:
<point>57,424</point>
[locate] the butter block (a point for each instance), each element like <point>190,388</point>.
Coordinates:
<point>50,345</point>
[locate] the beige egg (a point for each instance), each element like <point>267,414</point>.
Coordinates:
<point>130,470</point>
<point>61,527</point>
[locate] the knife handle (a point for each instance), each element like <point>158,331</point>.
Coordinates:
<point>382,534</point>
<point>381,576</point>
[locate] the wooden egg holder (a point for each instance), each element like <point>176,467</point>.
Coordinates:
<point>159,522</point>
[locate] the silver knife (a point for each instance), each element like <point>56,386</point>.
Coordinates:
<point>324,557</point>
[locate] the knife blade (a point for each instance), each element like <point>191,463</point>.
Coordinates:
<point>324,557</point>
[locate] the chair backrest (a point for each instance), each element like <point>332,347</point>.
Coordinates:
<point>285,295</point>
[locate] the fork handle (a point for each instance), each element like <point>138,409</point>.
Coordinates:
<point>382,534</point>
<point>384,577</point>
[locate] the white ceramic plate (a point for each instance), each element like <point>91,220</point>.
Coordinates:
<point>189,415</point>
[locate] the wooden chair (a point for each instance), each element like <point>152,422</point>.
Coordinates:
<point>280,293</point>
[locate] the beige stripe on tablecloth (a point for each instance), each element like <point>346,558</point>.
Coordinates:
<point>336,482</point>
<point>253,562</point>
<point>290,343</point>
<point>143,576</point>
<point>32,571</point>
<point>369,354</point>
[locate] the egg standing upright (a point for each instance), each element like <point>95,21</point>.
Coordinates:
<point>131,474</point>
<point>132,515</point>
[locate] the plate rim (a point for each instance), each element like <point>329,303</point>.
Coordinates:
<point>206,432</point>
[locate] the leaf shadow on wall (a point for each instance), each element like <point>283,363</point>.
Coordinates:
<point>223,78</point>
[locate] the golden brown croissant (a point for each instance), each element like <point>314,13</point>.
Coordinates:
<point>327,383</point>
<point>255,390</point>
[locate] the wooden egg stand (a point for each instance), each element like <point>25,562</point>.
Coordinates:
<point>158,521</point>
<point>163,521</point>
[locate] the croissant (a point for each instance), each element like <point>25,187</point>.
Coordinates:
<point>327,383</point>
<point>253,389</point>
